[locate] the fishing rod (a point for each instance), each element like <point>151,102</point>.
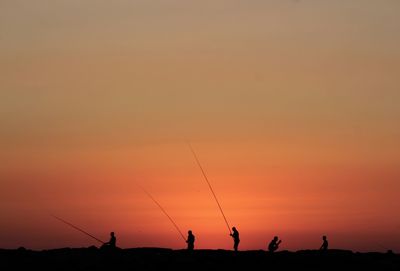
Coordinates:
<point>75,227</point>
<point>166,214</point>
<point>209,185</point>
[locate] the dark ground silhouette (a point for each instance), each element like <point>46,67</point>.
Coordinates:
<point>167,259</point>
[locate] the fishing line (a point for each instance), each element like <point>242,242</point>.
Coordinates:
<point>75,227</point>
<point>209,185</point>
<point>166,214</point>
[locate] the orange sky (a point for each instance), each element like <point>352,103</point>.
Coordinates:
<point>292,107</point>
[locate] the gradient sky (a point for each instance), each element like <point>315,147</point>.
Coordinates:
<point>292,106</point>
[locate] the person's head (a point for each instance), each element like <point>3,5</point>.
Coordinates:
<point>190,232</point>
<point>324,237</point>
<point>276,238</point>
<point>233,228</point>
<point>112,233</point>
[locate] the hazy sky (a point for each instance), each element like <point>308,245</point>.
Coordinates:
<point>292,107</point>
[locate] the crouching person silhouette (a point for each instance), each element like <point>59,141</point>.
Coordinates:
<point>274,244</point>
<point>112,244</point>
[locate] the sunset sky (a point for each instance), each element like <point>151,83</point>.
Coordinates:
<point>293,108</point>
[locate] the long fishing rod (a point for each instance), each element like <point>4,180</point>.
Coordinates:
<point>75,227</point>
<point>166,214</point>
<point>209,185</point>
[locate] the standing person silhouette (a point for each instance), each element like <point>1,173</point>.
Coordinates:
<point>112,243</point>
<point>190,240</point>
<point>324,245</point>
<point>274,244</point>
<point>236,240</point>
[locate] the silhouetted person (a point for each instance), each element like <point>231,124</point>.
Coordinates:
<point>190,240</point>
<point>236,240</point>
<point>324,245</point>
<point>274,244</point>
<point>112,243</point>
